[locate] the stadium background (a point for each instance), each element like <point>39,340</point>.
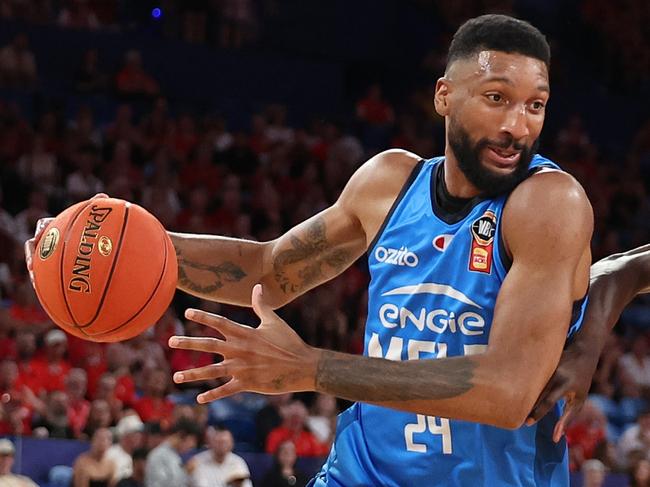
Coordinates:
<point>246,117</point>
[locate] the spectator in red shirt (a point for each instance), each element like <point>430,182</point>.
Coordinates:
<point>50,371</point>
<point>132,79</point>
<point>78,406</point>
<point>294,429</point>
<point>154,405</point>
<point>17,401</point>
<point>373,109</point>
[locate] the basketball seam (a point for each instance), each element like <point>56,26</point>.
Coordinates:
<point>73,220</point>
<point>110,274</point>
<point>162,274</point>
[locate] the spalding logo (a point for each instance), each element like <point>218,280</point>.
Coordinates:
<point>105,246</point>
<point>48,243</point>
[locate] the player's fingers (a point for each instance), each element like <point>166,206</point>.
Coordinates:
<point>220,323</point>
<point>29,255</point>
<point>565,419</point>
<point>228,389</point>
<point>260,306</point>
<point>202,344</point>
<point>100,195</point>
<point>551,394</point>
<point>208,372</point>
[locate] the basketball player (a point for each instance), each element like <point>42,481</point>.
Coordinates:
<point>479,259</point>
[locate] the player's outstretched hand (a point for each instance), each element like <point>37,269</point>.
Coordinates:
<point>270,359</point>
<point>30,245</point>
<point>571,381</point>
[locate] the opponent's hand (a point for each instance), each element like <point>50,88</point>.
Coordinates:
<point>270,359</point>
<point>571,381</point>
<point>30,245</point>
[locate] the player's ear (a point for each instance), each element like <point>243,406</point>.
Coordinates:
<point>441,97</point>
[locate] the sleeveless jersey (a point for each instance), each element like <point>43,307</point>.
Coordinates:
<point>432,294</point>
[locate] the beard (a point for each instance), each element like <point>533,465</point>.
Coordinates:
<point>488,182</point>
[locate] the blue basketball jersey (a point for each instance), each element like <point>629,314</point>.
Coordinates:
<point>434,285</point>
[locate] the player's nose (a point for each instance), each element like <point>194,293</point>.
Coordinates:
<point>515,123</point>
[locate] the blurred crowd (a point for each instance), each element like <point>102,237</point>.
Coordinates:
<point>197,175</point>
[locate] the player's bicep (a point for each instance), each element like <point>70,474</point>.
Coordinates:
<point>547,226</point>
<point>316,250</point>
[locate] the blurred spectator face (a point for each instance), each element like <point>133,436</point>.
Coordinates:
<point>8,374</point>
<point>76,384</point>
<point>286,454</point>
<point>295,416</point>
<point>186,444</point>
<point>58,404</point>
<point>100,413</point>
<point>25,344</point>
<point>133,440</point>
<point>220,442</point>
<point>6,462</point>
<point>56,351</point>
<point>106,387</point>
<point>101,441</point>
<point>644,424</point>
<point>593,472</point>
<point>325,405</point>
<point>157,383</point>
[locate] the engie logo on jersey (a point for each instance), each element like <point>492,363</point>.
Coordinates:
<point>483,229</point>
<point>401,256</point>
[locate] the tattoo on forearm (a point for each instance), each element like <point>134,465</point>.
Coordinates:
<point>222,274</point>
<point>375,380</point>
<point>316,251</point>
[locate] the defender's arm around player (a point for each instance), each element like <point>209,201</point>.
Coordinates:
<point>615,281</point>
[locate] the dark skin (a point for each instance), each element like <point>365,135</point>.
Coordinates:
<point>615,281</point>
<point>493,95</point>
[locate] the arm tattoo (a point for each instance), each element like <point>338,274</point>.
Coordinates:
<point>378,380</point>
<point>314,250</point>
<point>223,273</point>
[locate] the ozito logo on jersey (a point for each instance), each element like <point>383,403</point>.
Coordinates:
<point>483,230</point>
<point>401,256</point>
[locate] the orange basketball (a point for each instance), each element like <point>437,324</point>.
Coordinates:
<point>105,270</point>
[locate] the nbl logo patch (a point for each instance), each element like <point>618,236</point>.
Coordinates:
<point>483,230</point>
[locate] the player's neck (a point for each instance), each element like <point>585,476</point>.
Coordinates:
<point>456,183</point>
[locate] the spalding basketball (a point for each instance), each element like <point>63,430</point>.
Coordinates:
<point>105,270</point>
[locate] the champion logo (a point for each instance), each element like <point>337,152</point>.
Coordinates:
<point>441,242</point>
<point>402,256</point>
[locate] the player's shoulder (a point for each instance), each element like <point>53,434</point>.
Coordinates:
<point>549,204</point>
<point>548,189</point>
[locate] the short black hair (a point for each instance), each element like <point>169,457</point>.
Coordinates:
<point>494,32</point>
<point>186,427</point>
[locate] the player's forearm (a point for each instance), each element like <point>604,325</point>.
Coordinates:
<point>468,388</point>
<point>615,281</point>
<point>219,268</point>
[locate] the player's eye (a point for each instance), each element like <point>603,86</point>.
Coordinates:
<point>538,106</point>
<point>494,97</point>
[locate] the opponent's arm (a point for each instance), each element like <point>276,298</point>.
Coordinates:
<point>548,224</point>
<point>615,281</point>
<point>226,269</point>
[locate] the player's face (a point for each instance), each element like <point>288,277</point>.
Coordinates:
<point>495,105</point>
